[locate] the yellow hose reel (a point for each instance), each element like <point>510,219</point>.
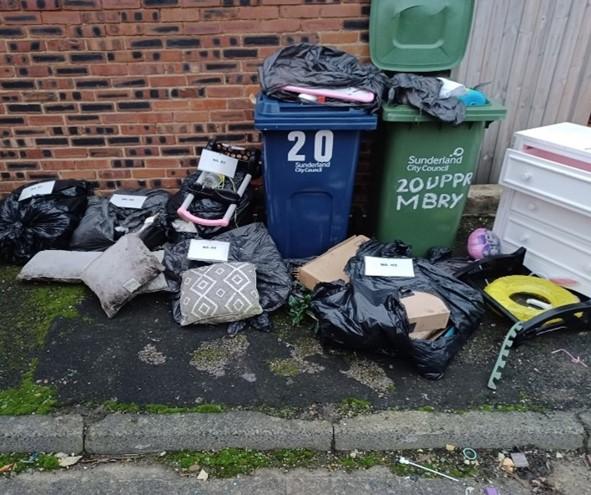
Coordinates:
<point>525,297</point>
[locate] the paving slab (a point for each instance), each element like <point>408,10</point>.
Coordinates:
<point>41,433</point>
<point>478,430</point>
<point>157,480</point>
<point>143,357</point>
<point>131,434</point>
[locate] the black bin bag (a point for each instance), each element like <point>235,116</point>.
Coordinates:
<point>250,243</point>
<point>317,66</point>
<point>105,222</point>
<point>366,314</point>
<point>41,221</point>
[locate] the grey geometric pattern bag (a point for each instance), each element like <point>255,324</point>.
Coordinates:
<point>219,293</point>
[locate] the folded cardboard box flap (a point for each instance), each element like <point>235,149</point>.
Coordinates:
<point>330,266</point>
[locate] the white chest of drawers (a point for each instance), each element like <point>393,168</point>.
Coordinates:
<point>546,202</point>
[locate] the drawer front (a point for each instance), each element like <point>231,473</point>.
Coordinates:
<point>556,217</point>
<point>554,254</point>
<point>553,182</point>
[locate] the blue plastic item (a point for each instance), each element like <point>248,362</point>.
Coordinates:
<point>474,98</point>
<point>310,156</point>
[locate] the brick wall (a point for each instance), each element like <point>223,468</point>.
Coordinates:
<point>124,92</point>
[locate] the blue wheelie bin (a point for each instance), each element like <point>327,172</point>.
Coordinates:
<point>310,156</point>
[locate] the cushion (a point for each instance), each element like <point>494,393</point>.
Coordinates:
<point>117,274</point>
<point>67,266</point>
<point>219,293</point>
<point>58,266</point>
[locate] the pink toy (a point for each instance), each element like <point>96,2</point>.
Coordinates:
<point>483,242</point>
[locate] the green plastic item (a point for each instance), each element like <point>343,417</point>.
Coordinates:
<point>419,35</point>
<point>428,167</point>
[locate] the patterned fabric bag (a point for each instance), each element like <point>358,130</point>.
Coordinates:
<point>219,293</point>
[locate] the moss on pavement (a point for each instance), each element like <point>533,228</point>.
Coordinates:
<point>27,311</point>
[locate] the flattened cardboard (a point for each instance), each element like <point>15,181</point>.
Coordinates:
<point>330,266</point>
<point>428,313</point>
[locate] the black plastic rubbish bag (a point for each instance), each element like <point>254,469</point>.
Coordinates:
<point>423,93</point>
<point>366,313</point>
<point>318,66</point>
<point>210,203</point>
<point>104,222</point>
<point>250,243</point>
<point>40,222</point>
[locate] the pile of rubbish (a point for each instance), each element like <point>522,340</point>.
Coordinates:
<point>220,266</point>
<point>319,74</point>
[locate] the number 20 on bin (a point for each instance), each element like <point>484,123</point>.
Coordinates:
<point>323,146</point>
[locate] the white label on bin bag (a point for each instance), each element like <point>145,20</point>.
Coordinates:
<point>388,267</point>
<point>202,250</point>
<point>217,163</point>
<point>128,201</point>
<point>37,190</point>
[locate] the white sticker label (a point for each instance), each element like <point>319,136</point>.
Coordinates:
<point>183,226</point>
<point>202,250</point>
<point>388,267</point>
<point>37,190</point>
<point>217,163</point>
<point>128,201</point>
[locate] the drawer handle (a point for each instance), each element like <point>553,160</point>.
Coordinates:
<point>526,176</point>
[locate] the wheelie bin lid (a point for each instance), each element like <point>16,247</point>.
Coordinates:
<point>405,113</point>
<point>419,35</point>
<point>272,114</point>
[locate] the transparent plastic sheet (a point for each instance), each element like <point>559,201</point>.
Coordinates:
<point>366,313</point>
<point>318,66</point>
<point>40,222</point>
<point>250,243</point>
<point>104,223</point>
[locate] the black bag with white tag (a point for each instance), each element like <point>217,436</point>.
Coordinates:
<point>43,220</point>
<point>108,219</point>
<point>366,313</point>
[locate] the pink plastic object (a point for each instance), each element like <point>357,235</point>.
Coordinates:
<point>555,157</point>
<point>345,94</point>
<point>483,242</point>
<point>186,215</point>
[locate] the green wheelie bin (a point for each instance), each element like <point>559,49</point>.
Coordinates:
<point>427,165</point>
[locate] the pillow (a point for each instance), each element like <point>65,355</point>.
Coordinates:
<point>117,274</point>
<point>57,266</point>
<point>219,293</point>
<point>67,266</point>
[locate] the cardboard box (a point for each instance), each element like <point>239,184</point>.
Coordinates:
<point>428,313</point>
<point>330,266</point>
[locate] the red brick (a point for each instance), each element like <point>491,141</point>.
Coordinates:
<point>143,173</point>
<point>109,70</point>
<point>61,17</point>
<point>165,81</point>
<point>301,11</point>
<point>114,174</point>
<point>202,28</point>
<point>339,37</point>
<point>45,119</point>
<point>179,15</point>
<point>258,13</point>
<point>196,117</point>
<point>70,153</point>
<point>161,162</point>
<point>225,91</point>
<point>78,174</point>
<point>340,11</point>
<point>120,4</point>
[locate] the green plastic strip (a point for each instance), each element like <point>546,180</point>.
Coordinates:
<point>496,374</point>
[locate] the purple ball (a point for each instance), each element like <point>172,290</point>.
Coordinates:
<point>483,242</point>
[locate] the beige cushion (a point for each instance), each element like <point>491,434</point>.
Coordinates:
<point>117,274</point>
